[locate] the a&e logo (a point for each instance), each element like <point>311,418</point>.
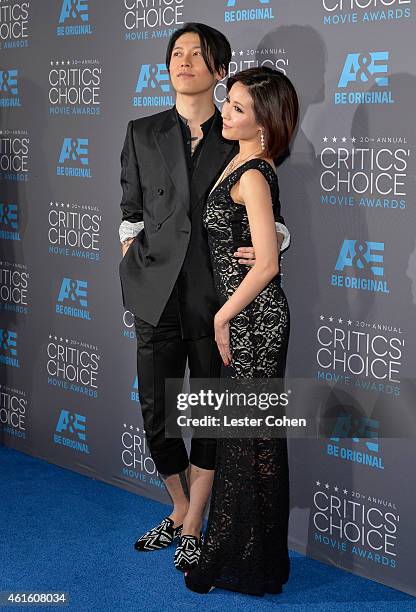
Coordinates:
<point>8,348</point>
<point>74,18</point>
<point>366,260</point>
<point>74,424</point>
<point>364,69</point>
<point>356,429</point>
<point>152,77</point>
<point>249,14</point>
<point>9,222</point>
<point>134,394</point>
<point>72,299</point>
<point>9,92</point>
<point>73,158</point>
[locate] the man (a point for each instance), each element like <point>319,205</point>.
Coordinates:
<point>170,161</point>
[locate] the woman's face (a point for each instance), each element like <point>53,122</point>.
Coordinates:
<point>237,113</point>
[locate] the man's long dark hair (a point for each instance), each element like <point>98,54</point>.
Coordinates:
<point>215,48</point>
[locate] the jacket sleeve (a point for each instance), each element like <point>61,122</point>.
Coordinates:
<point>132,199</point>
<point>282,229</point>
<point>280,224</point>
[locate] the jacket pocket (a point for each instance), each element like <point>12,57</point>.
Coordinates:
<point>132,244</point>
<point>156,224</point>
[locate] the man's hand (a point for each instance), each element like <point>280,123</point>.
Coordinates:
<point>246,255</point>
<point>125,246</point>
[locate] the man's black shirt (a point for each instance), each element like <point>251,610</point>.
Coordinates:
<point>193,255</point>
<point>192,158</point>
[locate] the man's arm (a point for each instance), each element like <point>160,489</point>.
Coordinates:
<point>283,234</point>
<point>132,198</point>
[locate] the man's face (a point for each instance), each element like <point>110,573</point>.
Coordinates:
<point>188,72</point>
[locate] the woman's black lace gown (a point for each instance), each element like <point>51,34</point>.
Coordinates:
<point>245,547</point>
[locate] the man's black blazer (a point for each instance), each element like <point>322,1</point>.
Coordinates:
<point>156,190</point>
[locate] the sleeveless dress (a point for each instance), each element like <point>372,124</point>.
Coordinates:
<point>245,547</point>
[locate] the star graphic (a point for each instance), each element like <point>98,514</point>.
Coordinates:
<point>334,139</point>
<point>318,484</point>
<point>326,486</point>
<point>241,52</point>
<point>349,321</point>
<point>353,139</point>
<point>331,319</point>
<point>322,317</point>
<point>325,139</point>
<point>233,53</point>
<point>336,489</point>
<point>344,139</point>
<point>339,320</point>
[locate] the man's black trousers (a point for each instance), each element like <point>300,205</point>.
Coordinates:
<point>162,353</point>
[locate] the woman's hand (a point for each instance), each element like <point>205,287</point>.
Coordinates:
<point>222,337</point>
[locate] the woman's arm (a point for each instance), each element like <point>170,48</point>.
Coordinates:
<point>246,255</point>
<point>254,191</point>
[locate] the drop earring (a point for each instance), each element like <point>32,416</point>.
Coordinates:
<point>263,146</point>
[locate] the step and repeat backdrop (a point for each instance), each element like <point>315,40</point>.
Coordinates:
<point>72,74</point>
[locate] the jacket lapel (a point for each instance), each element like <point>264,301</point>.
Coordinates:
<point>215,154</point>
<point>168,137</point>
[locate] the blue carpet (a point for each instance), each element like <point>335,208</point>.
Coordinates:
<point>61,531</point>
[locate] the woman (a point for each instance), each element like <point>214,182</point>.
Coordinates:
<point>245,547</point>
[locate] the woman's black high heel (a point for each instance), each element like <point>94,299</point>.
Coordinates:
<point>195,585</point>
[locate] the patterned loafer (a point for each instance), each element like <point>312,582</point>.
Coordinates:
<point>188,552</point>
<point>158,537</point>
